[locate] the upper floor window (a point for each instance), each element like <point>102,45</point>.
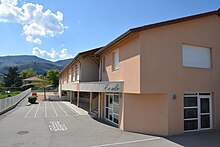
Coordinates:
<point>77,72</point>
<point>116,60</point>
<point>103,64</point>
<point>194,56</point>
<point>72,74</point>
<point>67,77</point>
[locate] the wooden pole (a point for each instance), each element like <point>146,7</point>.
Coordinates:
<point>90,108</point>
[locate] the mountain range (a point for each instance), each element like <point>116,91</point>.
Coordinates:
<point>39,65</point>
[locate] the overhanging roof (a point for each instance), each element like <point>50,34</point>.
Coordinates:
<point>155,25</point>
<point>79,55</point>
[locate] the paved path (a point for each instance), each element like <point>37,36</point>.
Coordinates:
<point>55,124</point>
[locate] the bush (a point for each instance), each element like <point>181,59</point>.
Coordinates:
<point>32,99</point>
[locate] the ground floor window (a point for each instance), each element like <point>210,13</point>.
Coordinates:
<point>197,111</point>
<point>112,107</point>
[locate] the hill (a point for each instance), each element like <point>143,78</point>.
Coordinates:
<point>39,65</point>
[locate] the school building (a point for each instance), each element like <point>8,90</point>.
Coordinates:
<point>160,79</point>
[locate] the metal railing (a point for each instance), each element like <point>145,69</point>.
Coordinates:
<point>7,103</point>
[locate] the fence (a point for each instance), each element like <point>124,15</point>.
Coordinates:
<point>9,102</point>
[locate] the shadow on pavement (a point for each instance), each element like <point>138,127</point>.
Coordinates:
<point>197,139</point>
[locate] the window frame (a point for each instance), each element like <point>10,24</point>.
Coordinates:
<point>197,46</point>
<point>199,96</point>
<point>114,68</point>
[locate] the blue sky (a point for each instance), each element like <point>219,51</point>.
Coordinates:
<point>59,29</point>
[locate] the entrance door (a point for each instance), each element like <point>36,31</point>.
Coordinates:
<point>111,107</point>
<point>197,111</point>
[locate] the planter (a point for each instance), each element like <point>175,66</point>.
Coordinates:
<point>32,99</point>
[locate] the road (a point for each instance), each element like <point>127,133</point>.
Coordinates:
<point>55,124</point>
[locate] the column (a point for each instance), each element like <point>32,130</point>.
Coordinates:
<point>71,96</point>
<point>90,108</point>
<point>99,106</point>
<point>77,98</point>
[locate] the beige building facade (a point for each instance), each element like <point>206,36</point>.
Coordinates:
<point>161,79</point>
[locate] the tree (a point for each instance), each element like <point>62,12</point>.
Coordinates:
<point>42,84</point>
<point>52,76</point>
<point>11,78</point>
<point>28,73</point>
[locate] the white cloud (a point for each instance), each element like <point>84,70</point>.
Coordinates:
<point>32,40</point>
<point>54,55</point>
<point>36,22</point>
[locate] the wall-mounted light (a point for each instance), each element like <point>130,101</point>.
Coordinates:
<point>174,96</point>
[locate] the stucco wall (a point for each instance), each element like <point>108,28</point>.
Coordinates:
<point>161,56</point>
<point>146,113</point>
<point>162,69</point>
<point>129,65</point>
<point>89,70</point>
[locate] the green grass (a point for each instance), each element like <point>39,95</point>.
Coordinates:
<point>5,95</point>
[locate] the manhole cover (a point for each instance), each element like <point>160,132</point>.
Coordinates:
<point>22,132</point>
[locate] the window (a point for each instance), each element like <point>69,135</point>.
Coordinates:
<point>103,64</point>
<point>197,111</point>
<point>77,72</point>
<point>72,74</point>
<point>116,60</point>
<point>194,56</point>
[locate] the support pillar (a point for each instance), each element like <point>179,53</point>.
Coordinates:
<point>90,96</point>
<point>99,106</point>
<point>71,96</point>
<point>77,98</point>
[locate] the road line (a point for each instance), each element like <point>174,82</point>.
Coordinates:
<point>71,109</point>
<point>45,109</point>
<point>62,109</point>
<point>128,142</point>
<point>29,111</point>
<point>54,109</point>
<point>37,110</point>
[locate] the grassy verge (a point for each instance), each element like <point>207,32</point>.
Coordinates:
<point>5,95</point>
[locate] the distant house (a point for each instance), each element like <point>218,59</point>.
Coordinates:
<point>31,80</point>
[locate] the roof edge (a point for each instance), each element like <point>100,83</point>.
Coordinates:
<point>159,24</point>
<point>77,56</point>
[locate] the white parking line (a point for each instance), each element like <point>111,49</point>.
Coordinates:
<point>71,109</point>
<point>37,110</point>
<point>29,111</point>
<point>128,142</point>
<point>45,110</point>
<point>54,109</point>
<point>62,109</point>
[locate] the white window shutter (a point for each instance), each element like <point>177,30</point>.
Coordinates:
<point>194,56</point>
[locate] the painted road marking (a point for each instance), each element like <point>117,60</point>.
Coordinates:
<point>128,142</point>
<point>29,111</point>
<point>62,109</point>
<point>57,126</point>
<point>37,110</point>
<point>45,109</point>
<point>67,106</point>
<point>54,109</point>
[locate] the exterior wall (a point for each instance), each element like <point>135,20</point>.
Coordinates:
<point>146,113</point>
<point>89,70</point>
<point>129,65</point>
<point>162,69</point>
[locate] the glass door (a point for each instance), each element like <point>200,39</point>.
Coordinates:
<point>197,111</point>
<point>205,111</point>
<point>112,107</point>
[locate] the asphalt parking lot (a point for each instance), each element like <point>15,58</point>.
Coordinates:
<point>55,124</point>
